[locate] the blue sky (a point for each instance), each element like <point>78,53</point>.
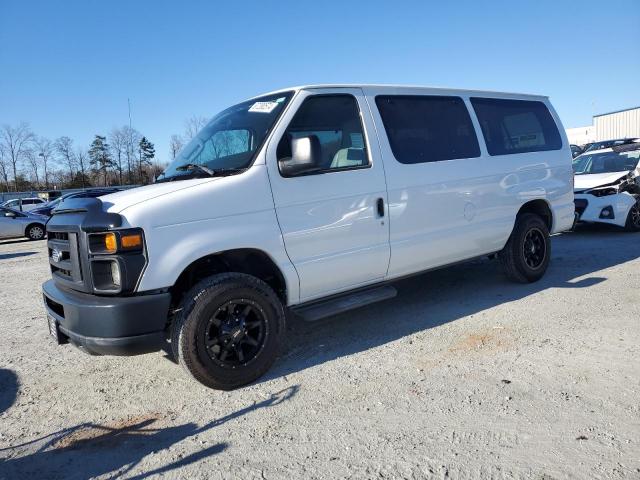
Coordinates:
<point>68,67</point>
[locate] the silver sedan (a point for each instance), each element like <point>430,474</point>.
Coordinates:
<point>21,224</point>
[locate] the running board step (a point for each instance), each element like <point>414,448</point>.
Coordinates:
<point>344,303</point>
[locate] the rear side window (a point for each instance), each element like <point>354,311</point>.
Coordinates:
<point>425,128</point>
<point>516,126</point>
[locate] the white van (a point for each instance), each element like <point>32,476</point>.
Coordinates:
<point>309,200</point>
<point>24,204</point>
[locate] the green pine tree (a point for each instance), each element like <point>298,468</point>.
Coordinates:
<point>99,156</point>
<point>147,153</point>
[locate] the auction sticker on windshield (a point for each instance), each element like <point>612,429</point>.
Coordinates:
<point>263,107</point>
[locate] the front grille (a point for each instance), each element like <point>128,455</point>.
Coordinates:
<point>63,256</point>
<point>581,205</point>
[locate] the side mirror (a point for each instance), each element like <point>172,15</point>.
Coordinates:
<point>305,156</point>
<point>9,214</point>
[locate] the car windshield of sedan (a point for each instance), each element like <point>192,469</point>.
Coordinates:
<point>230,141</point>
<point>607,162</point>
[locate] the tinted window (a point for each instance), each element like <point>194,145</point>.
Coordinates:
<point>516,126</point>
<point>334,120</point>
<point>428,128</point>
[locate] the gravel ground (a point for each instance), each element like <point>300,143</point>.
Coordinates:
<point>463,375</point>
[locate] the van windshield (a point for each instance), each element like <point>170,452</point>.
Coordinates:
<point>230,141</point>
<point>607,162</point>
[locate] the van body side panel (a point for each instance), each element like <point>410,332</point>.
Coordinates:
<point>447,211</point>
<point>221,214</point>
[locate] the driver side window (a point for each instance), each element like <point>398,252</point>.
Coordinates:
<point>332,122</point>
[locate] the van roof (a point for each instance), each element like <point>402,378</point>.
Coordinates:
<point>398,89</point>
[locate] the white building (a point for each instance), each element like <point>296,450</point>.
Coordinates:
<point>606,126</point>
<point>619,124</point>
<point>581,135</point>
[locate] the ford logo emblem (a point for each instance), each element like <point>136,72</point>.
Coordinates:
<point>56,255</point>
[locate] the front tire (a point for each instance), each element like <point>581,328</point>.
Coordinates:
<point>526,255</point>
<point>633,218</point>
<point>35,232</point>
<point>228,331</point>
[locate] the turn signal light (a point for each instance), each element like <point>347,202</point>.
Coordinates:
<point>110,243</point>
<point>131,241</point>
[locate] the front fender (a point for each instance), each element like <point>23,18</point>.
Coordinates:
<point>173,248</point>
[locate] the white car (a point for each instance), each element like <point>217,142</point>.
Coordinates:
<point>607,186</point>
<point>24,204</point>
<point>311,200</point>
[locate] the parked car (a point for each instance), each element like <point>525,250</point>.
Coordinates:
<point>575,150</point>
<point>607,186</point>
<point>24,204</point>
<point>21,224</point>
<point>311,200</point>
<point>607,144</point>
<point>46,208</point>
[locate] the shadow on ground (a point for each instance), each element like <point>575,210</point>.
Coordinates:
<point>89,450</point>
<point>442,296</point>
<point>8,389</point>
<point>15,240</point>
<point>7,256</point>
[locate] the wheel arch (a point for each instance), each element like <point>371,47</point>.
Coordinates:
<point>33,224</point>
<point>538,207</point>
<point>251,261</point>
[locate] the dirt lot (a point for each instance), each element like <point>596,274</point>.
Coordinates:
<point>463,375</point>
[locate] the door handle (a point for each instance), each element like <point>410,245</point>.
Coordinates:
<point>380,207</point>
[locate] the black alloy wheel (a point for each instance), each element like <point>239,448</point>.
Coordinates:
<point>534,248</point>
<point>228,329</point>
<point>526,255</point>
<point>235,333</point>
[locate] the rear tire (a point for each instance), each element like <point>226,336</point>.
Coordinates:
<point>228,331</point>
<point>35,232</point>
<point>526,255</point>
<point>633,218</point>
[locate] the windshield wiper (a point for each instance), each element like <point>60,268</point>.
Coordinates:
<point>196,166</point>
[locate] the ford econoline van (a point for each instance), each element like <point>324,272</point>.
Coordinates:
<point>309,201</point>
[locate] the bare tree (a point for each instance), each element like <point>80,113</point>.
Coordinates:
<point>64,148</point>
<point>175,145</point>
<point>44,150</point>
<point>132,139</point>
<point>4,167</point>
<point>33,162</point>
<point>193,125</point>
<point>16,141</point>
<point>118,145</point>
<point>82,159</point>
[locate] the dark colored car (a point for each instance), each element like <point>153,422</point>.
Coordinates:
<point>606,144</point>
<point>90,193</point>
<point>576,150</point>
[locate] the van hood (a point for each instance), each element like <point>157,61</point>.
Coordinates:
<point>117,202</point>
<point>586,181</point>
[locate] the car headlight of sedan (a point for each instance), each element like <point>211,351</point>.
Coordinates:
<point>602,192</point>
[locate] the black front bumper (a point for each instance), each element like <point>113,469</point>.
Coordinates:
<point>109,325</point>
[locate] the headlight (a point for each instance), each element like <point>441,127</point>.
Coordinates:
<point>602,192</point>
<point>117,259</point>
<point>115,274</point>
<point>119,241</point>
<point>106,275</point>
